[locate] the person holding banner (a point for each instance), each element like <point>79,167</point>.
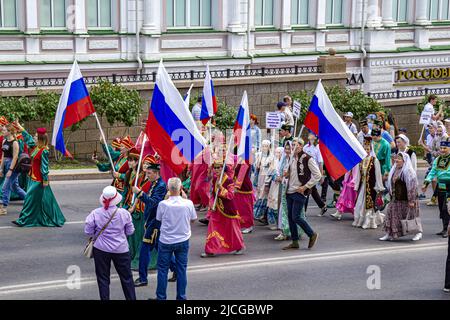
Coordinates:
<point>40,208</point>
<point>263,164</point>
<point>286,135</point>
<point>224,228</point>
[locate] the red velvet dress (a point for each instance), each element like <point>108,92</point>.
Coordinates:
<point>224,228</point>
<point>244,195</point>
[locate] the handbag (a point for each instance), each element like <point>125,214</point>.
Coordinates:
<point>89,249</point>
<point>412,226</point>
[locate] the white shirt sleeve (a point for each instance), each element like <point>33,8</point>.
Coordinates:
<point>192,211</point>
<point>315,173</point>
<point>160,211</point>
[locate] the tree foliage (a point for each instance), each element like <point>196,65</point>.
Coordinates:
<point>343,100</point>
<point>114,101</point>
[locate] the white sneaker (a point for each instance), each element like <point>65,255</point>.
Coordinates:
<point>238,252</point>
<point>385,238</point>
<point>248,230</point>
<point>3,211</point>
<point>337,215</point>
<point>446,290</point>
<point>418,237</point>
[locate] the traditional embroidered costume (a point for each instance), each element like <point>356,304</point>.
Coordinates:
<point>263,167</point>
<point>402,185</point>
<point>347,199</point>
<point>243,195</point>
<point>40,208</point>
<point>368,182</point>
<point>224,228</point>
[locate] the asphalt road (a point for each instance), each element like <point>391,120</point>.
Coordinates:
<point>347,263</point>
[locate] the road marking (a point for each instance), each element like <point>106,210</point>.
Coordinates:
<point>214,267</point>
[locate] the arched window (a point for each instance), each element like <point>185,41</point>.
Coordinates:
<point>8,14</point>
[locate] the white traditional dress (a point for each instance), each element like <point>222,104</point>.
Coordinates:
<point>368,182</point>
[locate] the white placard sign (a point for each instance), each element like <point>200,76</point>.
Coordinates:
<point>273,120</point>
<point>296,109</point>
<point>425,117</point>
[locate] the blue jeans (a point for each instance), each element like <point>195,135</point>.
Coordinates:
<point>11,184</point>
<point>165,253</point>
<point>295,206</point>
<point>144,260</point>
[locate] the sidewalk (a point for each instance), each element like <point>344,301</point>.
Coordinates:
<point>94,174</point>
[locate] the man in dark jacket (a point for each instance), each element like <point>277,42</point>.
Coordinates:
<point>151,200</point>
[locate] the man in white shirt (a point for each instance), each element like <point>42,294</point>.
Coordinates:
<point>303,174</point>
<point>197,109</point>
<point>312,149</point>
<point>175,215</point>
<point>348,118</point>
<point>365,131</point>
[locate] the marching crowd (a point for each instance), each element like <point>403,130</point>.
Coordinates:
<point>145,215</point>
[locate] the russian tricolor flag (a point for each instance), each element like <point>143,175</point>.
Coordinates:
<point>340,149</point>
<point>209,101</point>
<point>242,130</point>
<point>170,127</point>
<point>74,105</point>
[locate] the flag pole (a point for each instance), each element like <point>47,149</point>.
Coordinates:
<point>295,126</point>
<point>104,140</point>
<point>139,165</point>
<point>421,134</point>
<point>223,170</point>
<point>301,130</point>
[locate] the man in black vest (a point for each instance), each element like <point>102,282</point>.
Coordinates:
<point>303,173</point>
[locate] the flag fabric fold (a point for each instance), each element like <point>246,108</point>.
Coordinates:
<point>340,149</point>
<point>209,101</point>
<point>170,126</point>
<point>242,130</point>
<point>74,105</point>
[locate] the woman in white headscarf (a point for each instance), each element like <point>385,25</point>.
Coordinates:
<point>274,191</point>
<point>402,143</point>
<point>263,165</point>
<point>402,186</point>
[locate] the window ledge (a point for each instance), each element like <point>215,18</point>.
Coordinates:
<point>191,30</point>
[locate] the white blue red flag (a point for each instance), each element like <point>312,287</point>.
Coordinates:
<point>209,101</point>
<point>170,127</point>
<point>340,149</point>
<point>242,130</point>
<point>74,105</point>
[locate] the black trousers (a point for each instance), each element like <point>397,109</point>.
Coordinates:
<point>443,211</point>
<point>316,197</point>
<point>447,268</point>
<point>122,263</point>
<point>335,185</point>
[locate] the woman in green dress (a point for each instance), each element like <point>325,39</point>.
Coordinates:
<point>40,208</point>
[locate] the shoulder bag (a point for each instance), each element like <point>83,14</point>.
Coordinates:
<point>89,249</point>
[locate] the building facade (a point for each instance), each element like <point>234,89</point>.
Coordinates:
<point>405,44</point>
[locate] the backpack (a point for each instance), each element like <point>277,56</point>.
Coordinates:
<point>23,163</point>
